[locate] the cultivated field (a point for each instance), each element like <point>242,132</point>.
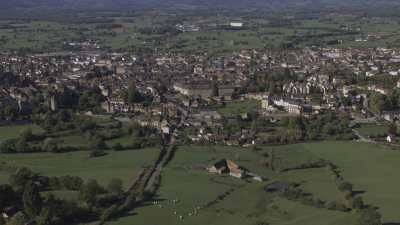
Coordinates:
<point>158,31</point>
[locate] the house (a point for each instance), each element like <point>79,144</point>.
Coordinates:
<point>226,166</point>
<point>164,127</point>
<point>290,105</point>
<point>236,24</point>
<point>187,27</point>
<point>226,91</point>
<point>391,138</point>
<point>195,88</point>
<point>9,212</point>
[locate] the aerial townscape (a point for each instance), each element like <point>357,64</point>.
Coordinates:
<point>184,112</point>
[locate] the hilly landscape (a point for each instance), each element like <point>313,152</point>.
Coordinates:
<point>196,4</point>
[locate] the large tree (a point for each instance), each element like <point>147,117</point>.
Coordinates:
<point>89,192</point>
<point>132,95</point>
<point>378,103</point>
<point>50,145</point>
<point>18,219</point>
<point>45,216</point>
<point>115,186</point>
<point>370,216</point>
<point>32,200</point>
<point>7,196</point>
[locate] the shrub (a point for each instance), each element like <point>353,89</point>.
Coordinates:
<point>345,186</point>
<point>347,195</point>
<point>357,203</point>
<point>115,186</point>
<point>8,146</point>
<point>109,213</point>
<point>117,147</point>
<point>330,205</point>
<point>50,145</point>
<point>370,216</point>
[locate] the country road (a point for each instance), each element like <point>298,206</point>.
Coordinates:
<point>165,154</point>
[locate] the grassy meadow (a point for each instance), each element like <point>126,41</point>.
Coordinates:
<point>238,201</point>
<point>258,33</point>
<point>192,196</point>
<point>9,132</point>
<point>123,164</point>
<point>371,130</point>
<point>238,108</point>
<point>370,168</point>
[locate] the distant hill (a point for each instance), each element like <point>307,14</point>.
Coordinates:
<point>30,5</point>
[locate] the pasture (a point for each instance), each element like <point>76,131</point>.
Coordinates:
<point>372,169</point>
<point>194,197</point>
<point>127,33</point>
<point>373,130</point>
<point>9,132</point>
<point>124,165</point>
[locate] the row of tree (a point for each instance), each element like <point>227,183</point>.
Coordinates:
<point>25,196</point>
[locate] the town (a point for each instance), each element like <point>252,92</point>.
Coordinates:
<point>164,116</point>
<point>202,97</point>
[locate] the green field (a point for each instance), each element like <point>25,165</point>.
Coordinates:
<point>368,130</point>
<point>8,132</point>
<point>258,33</point>
<point>124,165</point>
<point>239,107</point>
<point>246,204</point>
<point>371,168</point>
<point>319,182</point>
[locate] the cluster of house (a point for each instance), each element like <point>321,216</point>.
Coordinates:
<point>189,87</point>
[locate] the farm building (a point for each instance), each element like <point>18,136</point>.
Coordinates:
<point>226,166</point>
<point>236,24</point>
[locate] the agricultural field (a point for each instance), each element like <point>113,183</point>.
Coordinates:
<point>190,195</point>
<point>129,33</point>
<point>9,132</point>
<point>75,159</point>
<point>370,168</point>
<point>222,40</point>
<point>194,197</point>
<point>124,165</point>
<point>373,130</point>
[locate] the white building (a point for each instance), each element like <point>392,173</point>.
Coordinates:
<point>236,24</point>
